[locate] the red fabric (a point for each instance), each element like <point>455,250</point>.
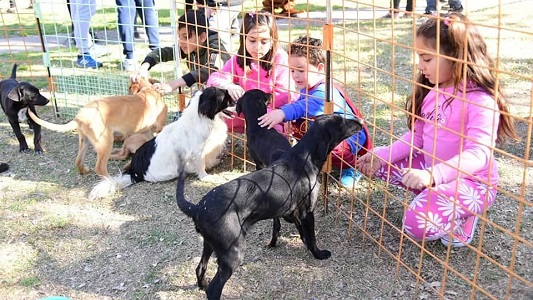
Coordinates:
<point>368,144</point>
<point>344,152</point>
<point>299,127</point>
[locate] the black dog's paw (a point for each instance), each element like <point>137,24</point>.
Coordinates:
<point>24,150</point>
<point>271,245</point>
<point>39,151</point>
<point>322,254</point>
<point>202,285</point>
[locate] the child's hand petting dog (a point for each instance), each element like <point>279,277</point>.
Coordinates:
<point>272,118</point>
<point>235,91</point>
<point>142,72</point>
<point>368,165</point>
<point>162,88</point>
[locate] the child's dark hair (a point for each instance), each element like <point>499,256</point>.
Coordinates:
<point>310,48</point>
<point>194,21</point>
<point>250,21</point>
<point>459,40</point>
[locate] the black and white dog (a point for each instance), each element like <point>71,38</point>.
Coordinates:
<point>16,97</point>
<point>195,141</point>
<point>286,189</point>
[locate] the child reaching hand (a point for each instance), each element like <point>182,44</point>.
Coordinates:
<point>258,64</point>
<point>446,158</point>
<point>307,63</point>
<point>200,48</point>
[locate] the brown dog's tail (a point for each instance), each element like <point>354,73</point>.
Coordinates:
<point>72,125</point>
<point>184,205</point>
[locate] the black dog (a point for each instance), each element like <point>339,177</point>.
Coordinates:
<point>265,145</point>
<point>16,98</point>
<point>286,189</point>
<point>3,167</point>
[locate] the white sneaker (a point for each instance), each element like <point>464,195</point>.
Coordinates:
<point>463,235</point>
<point>129,65</point>
<point>98,51</point>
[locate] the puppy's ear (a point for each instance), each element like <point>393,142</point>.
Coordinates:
<point>15,94</point>
<point>268,98</point>
<point>134,88</point>
<point>227,96</point>
<point>238,107</point>
<point>209,102</point>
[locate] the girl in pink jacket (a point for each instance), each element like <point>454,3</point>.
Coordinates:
<point>258,64</point>
<point>455,122</point>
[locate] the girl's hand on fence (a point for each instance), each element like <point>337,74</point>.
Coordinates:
<point>416,179</point>
<point>272,118</point>
<point>235,91</point>
<point>368,165</point>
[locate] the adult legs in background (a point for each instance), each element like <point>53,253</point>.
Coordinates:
<point>454,6</point>
<point>148,15</point>
<point>81,13</point>
<point>395,7</point>
<point>127,10</point>
<point>12,7</point>
<point>224,22</point>
<point>431,7</point>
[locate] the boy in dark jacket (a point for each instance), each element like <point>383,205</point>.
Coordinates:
<point>199,47</point>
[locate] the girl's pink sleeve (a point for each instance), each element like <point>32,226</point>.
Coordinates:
<point>224,76</point>
<point>402,147</point>
<point>282,80</point>
<point>480,137</point>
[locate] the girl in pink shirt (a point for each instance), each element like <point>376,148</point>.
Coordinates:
<point>258,64</point>
<point>446,159</point>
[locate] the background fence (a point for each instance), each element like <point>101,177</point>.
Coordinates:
<point>375,60</point>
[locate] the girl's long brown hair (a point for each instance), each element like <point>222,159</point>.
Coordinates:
<point>460,40</point>
<point>250,21</point>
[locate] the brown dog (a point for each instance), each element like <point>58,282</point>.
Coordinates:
<point>101,121</point>
<point>131,144</point>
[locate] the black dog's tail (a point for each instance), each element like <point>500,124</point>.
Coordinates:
<point>14,72</point>
<point>184,205</point>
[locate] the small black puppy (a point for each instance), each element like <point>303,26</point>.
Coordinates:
<point>16,97</point>
<point>265,145</point>
<point>286,189</point>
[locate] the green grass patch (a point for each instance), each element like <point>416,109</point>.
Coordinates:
<point>30,282</point>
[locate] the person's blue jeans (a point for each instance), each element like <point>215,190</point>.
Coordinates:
<point>127,10</point>
<point>431,5</point>
<point>454,3</point>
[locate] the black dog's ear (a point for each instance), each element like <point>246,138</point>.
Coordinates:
<point>268,98</point>
<point>210,102</point>
<point>15,94</point>
<point>238,106</point>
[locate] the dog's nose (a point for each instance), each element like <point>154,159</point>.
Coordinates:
<point>41,100</point>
